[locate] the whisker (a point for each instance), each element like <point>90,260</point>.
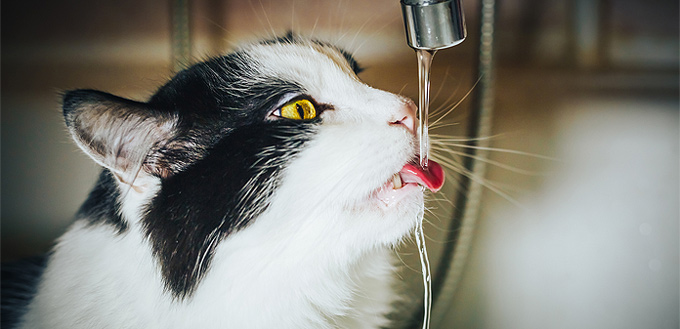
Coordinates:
<point>441,108</point>
<point>405,263</point>
<point>439,199</point>
<point>342,14</point>
<point>436,138</point>
<point>228,33</point>
<point>489,161</point>
<point>375,32</point>
<point>343,9</point>
<point>427,237</point>
<point>354,39</point>
<point>316,22</point>
<point>257,14</point>
<point>437,226</point>
<point>493,149</point>
<point>455,177</point>
<point>442,125</point>
<point>402,89</point>
<point>439,90</point>
<point>480,180</point>
<point>509,187</point>
<point>429,211</point>
<point>459,101</point>
<point>292,18</point>
<point>269,22</point>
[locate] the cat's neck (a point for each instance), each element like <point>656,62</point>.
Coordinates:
<point>301,279</point>
<point>296,280</point>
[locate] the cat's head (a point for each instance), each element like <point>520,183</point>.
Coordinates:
<point>280,138</point>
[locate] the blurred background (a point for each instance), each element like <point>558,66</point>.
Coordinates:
<point>579,221</point>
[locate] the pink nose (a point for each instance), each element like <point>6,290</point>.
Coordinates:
<point>406,116</point>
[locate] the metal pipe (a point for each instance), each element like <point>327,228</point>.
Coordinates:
<point>433,24</point>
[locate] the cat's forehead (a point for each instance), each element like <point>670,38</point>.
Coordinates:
<point>300,51</point>
<point>245,86</point>
<point>305,62</point>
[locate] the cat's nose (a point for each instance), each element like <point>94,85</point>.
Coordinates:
<point>406,116</point>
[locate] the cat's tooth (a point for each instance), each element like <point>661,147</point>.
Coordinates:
<point>396,181</point>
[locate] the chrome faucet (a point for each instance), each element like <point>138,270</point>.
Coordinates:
<point>433,24</point>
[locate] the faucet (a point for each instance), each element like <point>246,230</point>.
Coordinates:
<point>433,24</point>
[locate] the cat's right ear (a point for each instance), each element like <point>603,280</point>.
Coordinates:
<point>117,133</point>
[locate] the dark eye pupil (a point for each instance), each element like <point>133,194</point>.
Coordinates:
<point>300,110</point>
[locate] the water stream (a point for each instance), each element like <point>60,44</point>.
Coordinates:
<point>424,63</point>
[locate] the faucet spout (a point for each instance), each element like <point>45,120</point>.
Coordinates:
<point>433,24</point>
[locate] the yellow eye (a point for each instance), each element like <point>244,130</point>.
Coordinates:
<point>301,109</point>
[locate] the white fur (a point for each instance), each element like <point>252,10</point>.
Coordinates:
<point>319,257</point>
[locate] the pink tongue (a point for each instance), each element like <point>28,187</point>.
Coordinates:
<point>432,177</point>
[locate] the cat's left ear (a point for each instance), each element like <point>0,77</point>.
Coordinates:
<point>117,133</point>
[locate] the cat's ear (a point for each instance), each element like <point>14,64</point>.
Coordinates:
<point>117,133</point>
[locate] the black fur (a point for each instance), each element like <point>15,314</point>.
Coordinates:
<point>76,99</point>
<point>102,205</point>
<point>218,163</point>
<point>19,285</point>
<point>352,62</point>
<point>198,207</point>
<point>202,201</point>
<point>211,99</point>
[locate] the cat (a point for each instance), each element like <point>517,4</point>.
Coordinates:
<point>265,188</point>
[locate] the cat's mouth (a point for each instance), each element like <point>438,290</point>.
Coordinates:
<point>411,177</point>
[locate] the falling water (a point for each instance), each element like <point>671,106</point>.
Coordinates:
<point>427,277</point>
<point>424,62</point>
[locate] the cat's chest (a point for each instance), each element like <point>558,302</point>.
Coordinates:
<point>250,284</point>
